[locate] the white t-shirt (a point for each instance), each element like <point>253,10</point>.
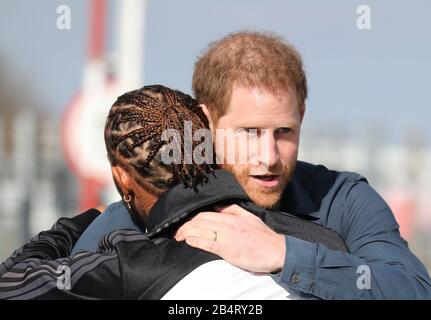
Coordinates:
<point>218,279</point>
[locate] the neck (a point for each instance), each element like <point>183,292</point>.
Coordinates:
<point>143,204</point>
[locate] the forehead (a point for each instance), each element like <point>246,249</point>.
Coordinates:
<point>261,108</point>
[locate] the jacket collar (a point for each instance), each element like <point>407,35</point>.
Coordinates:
<point>179,202</point>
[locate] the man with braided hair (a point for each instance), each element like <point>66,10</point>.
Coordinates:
<point>133,137</point>
<point>159,198</point>
<point>134,132</point>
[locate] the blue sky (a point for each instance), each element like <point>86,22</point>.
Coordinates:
<point>379,76</point>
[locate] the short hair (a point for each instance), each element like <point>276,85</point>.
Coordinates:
<point>251,59</point>
<point>133,133</point>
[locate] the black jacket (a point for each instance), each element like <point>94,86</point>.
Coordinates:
<point>133,265</point>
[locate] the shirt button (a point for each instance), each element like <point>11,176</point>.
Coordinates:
<point>295,278</point>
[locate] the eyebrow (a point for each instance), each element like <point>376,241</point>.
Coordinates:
<point>251,126</point>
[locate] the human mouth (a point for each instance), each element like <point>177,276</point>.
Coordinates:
<point>268,181</point>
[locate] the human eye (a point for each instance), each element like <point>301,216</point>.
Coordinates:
<point>252,133</point>
<point>248,131</point>
<point>252,130</point>
<point>283,131</point>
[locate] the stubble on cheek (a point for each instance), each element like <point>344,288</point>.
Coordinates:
<point>262,196</point>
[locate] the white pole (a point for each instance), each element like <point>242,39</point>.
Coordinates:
<point>128,55</point>
<point>131,33</point>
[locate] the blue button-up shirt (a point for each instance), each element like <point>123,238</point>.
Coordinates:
<point>379,265</point>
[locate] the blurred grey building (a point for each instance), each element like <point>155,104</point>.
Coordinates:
<point>35,185</point>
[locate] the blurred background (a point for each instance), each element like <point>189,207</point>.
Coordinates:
<point>62,63</point>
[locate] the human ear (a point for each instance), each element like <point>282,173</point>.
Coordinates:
<point>302,112</point>
<point>123,179</point>
<point>208,115</point>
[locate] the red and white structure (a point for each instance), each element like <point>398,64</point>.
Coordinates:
<point>103,80</point>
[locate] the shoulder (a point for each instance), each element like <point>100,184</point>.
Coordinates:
<point>321,183</point>
<point>310,174</point>
<point>341,193</point>
<point>360,208</point>
<point>114,217</point>
<point>79,222</point>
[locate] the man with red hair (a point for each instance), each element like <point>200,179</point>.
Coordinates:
<point>255,83</point>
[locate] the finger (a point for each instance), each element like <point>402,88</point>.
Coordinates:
<point>219,208</point>
<point>180,235</point>
<point>235,210</point>
<point>214,217</point>
<point>203,233</point>
<point>204,244</point>
<point>190,227</point>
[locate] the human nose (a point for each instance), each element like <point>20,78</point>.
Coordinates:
<point>268,154</point>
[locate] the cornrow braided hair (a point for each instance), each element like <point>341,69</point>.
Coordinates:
<point>133,133</point>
